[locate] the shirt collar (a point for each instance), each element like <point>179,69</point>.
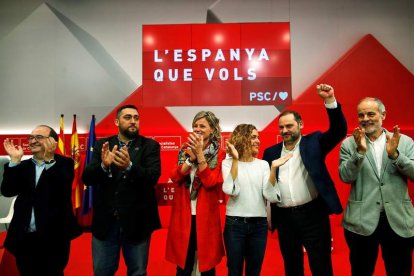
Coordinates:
<point>294,148</point>
<point>123,144</point>
<point>36,162</point>
<point>379,139</point>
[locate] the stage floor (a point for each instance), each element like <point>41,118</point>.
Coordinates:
<point>80,262</point>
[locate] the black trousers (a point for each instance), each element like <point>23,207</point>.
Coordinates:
<point>192,247</point>
<point>42,256</point>
<point>306,226</point>
<point>396,251</point>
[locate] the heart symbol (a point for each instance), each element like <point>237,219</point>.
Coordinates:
<point>283,95</point>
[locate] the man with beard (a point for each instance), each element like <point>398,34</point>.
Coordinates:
<point>123,171</point>
<point>377,164</point>
<point>308,194</point>
<point>43,223</point>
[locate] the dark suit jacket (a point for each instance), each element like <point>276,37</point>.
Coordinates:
<point>51,199</point>
<point>131,194</point>
<point>313,150</point>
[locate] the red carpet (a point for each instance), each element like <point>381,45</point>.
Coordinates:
<point>80,262</point>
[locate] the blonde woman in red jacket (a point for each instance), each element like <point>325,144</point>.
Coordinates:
<point>195,218</point>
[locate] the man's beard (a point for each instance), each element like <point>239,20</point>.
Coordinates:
<point>130,134</point>
<point>371,128</point>
<point>291,139</point>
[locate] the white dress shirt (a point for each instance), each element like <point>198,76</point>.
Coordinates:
<point>296,186</point>
<point>378,147</point>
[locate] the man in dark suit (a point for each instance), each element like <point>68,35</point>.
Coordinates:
<point>308,194</point>
<point>123,171</point>
<point>43,223</point>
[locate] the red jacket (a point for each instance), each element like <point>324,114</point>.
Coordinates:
<point>210,248</point>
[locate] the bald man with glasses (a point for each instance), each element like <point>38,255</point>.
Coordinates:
<point>43,223</point>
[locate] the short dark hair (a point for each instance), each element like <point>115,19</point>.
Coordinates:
<point>52,132</point>
<point>295,114</point>
<point>119,110</point>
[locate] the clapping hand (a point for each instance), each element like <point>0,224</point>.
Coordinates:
<point>107,155</point>
<point>49,145</point>
<point>392,143</point>
<point>15,152</point>
<point>121,158</point>
<point>360,140</point>
<point>231,150</point>
<point>196,143</point>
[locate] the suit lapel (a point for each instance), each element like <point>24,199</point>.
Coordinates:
<point>385,162</point>
<point>302,149</point>
<point>278,153</point>
<point>32,175</point>
<point>135,148</point>
<point>41,178</point>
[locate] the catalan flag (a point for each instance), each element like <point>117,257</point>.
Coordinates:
<point>87,193</point>
<point>77,186</point>
<point>61,139</point>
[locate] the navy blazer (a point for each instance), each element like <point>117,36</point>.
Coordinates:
<point>51,199</point>
<point>131,194</point>
<point>313,150</point>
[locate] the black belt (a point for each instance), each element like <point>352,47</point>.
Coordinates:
<point>28,236</point>
<point>309,205</point>
<point>248,219</point>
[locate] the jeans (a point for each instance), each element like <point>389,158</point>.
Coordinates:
<point>106,253</point>
<point>245,241</point>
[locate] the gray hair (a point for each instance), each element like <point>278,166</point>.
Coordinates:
<point>380,104</point>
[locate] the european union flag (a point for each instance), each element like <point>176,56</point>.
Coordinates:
<point>88,193</point>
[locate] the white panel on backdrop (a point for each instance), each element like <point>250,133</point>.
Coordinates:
<point>230,116</point>
<point>321,31</point>
<point>46,71</point>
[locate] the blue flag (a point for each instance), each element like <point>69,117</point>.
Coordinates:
<point>87,193</point>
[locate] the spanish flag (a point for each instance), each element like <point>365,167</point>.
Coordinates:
<point>61,141</point>
<point>77,186</point>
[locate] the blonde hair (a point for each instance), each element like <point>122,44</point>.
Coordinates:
<point>212,120</point>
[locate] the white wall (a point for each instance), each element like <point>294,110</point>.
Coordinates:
<point>84,57</point>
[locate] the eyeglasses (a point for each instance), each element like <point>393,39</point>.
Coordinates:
<point>37,137</point>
